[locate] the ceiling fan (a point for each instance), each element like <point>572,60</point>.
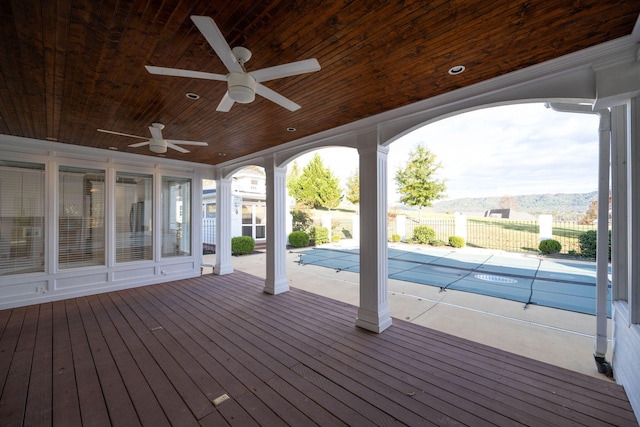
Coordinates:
<point>241,85</point>
<point>156,143</point>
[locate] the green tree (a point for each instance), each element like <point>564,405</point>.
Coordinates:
<point>417,182</point>
<point>316,186</point>
<point>292,181</point>
<point>352,192</point>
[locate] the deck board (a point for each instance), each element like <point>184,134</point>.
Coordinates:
<point>160,355</point>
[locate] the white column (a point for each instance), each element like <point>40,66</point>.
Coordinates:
<point>633,208</point>
<point>373,313</point>
<point>276,280</point>
<point>223,226</point>
<point>619,242</point>
<point>602,254</point>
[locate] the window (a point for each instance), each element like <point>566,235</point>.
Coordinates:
<point>134,214</point>
<point>176,217</point>
<point>81,227</point>
<point>210,211</point>
<point>21,218</point>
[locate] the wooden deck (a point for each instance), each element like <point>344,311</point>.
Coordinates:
<point>161,355</point>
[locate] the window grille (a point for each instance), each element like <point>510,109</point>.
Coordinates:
<point>21,218</point>
<point>134,214</point>
<point>81,225</point>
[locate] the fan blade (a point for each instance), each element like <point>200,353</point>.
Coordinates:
<point>276,97</point>
<point>177,141</point>
<point>122,134</point>
<point>177,148</point>
<point>286,70</point>
<point>155,132</point>
<point>139,144</point>
<point>212,33</point>
<point>177,72</point>
<point>226,103</point>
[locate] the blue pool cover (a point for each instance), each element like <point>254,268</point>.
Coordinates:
<point>567,285</point>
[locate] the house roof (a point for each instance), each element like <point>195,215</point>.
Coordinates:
<point>70,68</point>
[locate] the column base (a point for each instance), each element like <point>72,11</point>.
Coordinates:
<point>223,269</point>
<point>277,287</point>
<point>374,322</point>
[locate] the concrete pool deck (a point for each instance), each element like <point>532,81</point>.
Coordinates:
<point>560,337</point>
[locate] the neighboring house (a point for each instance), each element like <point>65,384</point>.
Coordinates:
<point>248,214</point>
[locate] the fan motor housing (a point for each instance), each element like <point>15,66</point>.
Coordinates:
<point>158,145</point>
<point>241,87</point>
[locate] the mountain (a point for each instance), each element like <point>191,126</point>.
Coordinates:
<point>559,203</point>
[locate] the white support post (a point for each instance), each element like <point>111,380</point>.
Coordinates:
<point>619,187</point>
<point>276,279</point>
<point>224,205</point>
<point>373,313</point>
<point>602,253</point>
<point>633,206</point>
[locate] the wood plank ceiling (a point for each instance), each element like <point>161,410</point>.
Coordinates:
<point>69,67</point>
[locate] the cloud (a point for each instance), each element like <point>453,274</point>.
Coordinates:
<point>518,149</point>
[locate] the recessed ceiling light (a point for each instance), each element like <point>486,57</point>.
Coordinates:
<point>222,154</point>
<point>291,129</point>
<point>457,69</point>
<point>113,148</point>
<point>192,95</point>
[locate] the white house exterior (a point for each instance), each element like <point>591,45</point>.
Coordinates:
<point>248,215</point>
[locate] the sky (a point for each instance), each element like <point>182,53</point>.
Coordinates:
<point>507,150</point>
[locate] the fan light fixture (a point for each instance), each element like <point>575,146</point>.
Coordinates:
<point>241,87</point>
<point>157,146</point>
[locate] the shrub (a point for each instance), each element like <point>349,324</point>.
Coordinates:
<point>457,241</point>
<point>550,246</point>
<point>396,238</point>
<point>588,244</point>
<point>437,242</point>
<point>242,245</point>
<point>319,235</point>
<point>335,238</point>
<point>300,220</point>
<point>423,234</point>
<point>298,239</point>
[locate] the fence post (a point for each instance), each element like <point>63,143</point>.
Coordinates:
<point>355,227</point>
<point>326,223</point>
<point>460,227</point>
<point>545,227</point>
<point>401,226</point>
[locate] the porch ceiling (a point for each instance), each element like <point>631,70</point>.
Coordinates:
<point>68,68</point>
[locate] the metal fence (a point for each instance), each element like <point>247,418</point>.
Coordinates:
<point>502,234</point>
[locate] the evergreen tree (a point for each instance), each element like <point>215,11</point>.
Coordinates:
<point>316,186</point>
<point>292,181</point>
<point>417,182</point>
<point>353,188</point>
